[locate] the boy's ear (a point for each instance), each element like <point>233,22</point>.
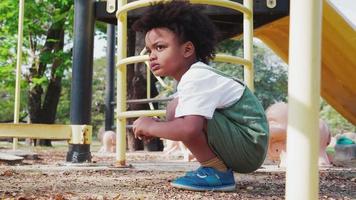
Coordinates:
<point>189,49</point>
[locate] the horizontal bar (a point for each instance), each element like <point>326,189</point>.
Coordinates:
<point>131,60</point>
<point>232,59</point>
<point>221,3</point>
<point>218,58</point>
<point>75,134</point>
<point>142,101</point>
<point>139,113</point>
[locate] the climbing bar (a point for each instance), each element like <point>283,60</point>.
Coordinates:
<point>132,60</point>
<point>142,101</point>
<point>232,59</point>
<point>221,3</point>
<point>139,113</point>
<point>218,57</point>
<point>121,14</point>
<point>75,134</point>
<point>248,46</point>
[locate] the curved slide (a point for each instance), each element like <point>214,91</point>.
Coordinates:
<point>338,72</point>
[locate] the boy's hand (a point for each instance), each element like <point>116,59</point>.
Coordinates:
<point>141,127</point>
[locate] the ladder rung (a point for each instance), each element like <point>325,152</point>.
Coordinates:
<point>221,3</point>
<point>142,101</point>
<point>232,59</point>
<point>132,60</point>
<point>139,113</point>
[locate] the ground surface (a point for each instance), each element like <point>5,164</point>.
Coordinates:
<point>149,178</point>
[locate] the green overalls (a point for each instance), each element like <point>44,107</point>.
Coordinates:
<point>238,134</point>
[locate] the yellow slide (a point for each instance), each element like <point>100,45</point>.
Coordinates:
<point>338,73</point>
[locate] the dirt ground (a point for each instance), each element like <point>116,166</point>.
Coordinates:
<point>49,177</point>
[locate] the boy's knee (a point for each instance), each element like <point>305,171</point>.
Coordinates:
<point>171,109</point>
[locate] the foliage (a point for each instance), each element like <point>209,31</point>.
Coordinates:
<point>270,72</point>
<point>41,16</point>
<point>98,97</point>
<point>44,58</point>
<point>336,122</point>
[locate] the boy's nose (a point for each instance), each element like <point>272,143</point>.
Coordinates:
<point>152,57</point>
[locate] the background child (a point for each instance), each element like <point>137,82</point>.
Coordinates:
<point>217,117</point>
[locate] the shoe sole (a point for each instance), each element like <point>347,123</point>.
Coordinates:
<point>228,188</point>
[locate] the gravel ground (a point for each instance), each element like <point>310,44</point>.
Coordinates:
<point>149,178</point>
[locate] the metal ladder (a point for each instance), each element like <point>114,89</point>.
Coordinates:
<point>122,60</point>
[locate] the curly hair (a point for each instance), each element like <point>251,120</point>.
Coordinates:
<point>186,21</point>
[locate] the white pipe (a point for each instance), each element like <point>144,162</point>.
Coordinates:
<point>302,177</point>
<point>18,67</point>
<point>248,45</point>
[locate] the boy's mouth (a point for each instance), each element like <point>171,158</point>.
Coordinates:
<point>154,67</point>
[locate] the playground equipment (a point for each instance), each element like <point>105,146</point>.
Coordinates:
<point>121,14</point>
<point>272,26</point>
<point>338,72</point>
<point>277,116</point>
<point>78,136</point>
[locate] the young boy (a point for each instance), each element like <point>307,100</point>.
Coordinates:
<point>217,117</point>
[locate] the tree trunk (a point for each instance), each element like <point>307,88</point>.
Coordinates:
<point>45,111</point>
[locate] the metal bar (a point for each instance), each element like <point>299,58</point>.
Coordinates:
<point>248,45</point>
<point>110,79</point>
<point>131,60</point>
<point>18,67</point>
<point>233,60</point>
<point>110,6</point>
<point>139,113</point>
<point>142,101</point>
<point>221,3</point>
<point>38,131</point>
<point>82,74</point>
<point>121,86</point>
<point>75,134</point>
<point>302,176</point>
<point>82,70</point>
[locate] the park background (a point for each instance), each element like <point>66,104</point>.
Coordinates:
<point>47,62</point>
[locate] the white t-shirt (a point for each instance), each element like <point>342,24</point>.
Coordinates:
<point>201,91</point>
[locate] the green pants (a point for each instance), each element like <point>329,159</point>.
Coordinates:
<point>239,134</point>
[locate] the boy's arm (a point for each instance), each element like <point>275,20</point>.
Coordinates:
<point>179,129</point>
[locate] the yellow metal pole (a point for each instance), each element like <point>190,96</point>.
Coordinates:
<point>302,177</point>
<point>121,87</point>
<point>18,67</point>
<point>248,44</point>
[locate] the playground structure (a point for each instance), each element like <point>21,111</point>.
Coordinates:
<point>121,15</point>
<point>304,49</point>
<point>277,116</point>
<point>78,135</point>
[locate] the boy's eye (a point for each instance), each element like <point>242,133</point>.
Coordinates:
<point>159,47</point>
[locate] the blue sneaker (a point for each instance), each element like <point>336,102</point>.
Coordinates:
<point>206,178</point>
<point>193,172</point>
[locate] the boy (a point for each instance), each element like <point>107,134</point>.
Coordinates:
<point>219,120</point>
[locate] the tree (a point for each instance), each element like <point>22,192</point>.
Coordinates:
<point>47,56</point>
<point>336,122</point>
<point>270,72</point>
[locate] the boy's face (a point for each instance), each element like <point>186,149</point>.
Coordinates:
<point>167,56</point>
